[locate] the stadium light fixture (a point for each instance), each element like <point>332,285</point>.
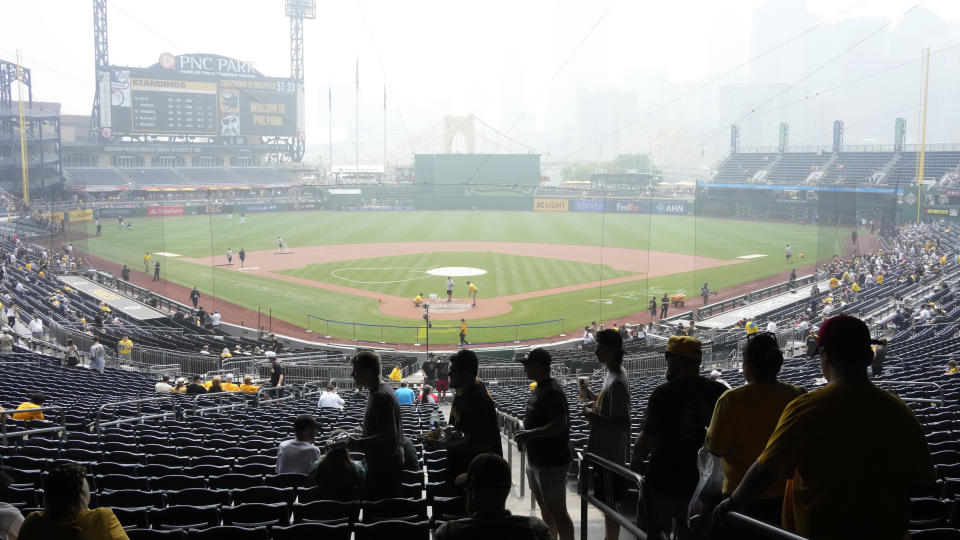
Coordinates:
<point>301,9</point>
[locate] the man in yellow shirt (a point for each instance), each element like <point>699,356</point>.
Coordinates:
<point>463,333</point>
<point>880,279</point>
<point>853,454</point>
<point>472,291</point>
<point>125,348</point>
<point>36,402</point>
<point>744,418</point>
<point>228,384</point>
<point>146,262</point>
<point>248,387</point>
<point>834,283</point>
<point>417,300</point>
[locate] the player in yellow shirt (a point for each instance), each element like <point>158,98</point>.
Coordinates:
<point>834,283</point>
<point>36,402</point>
<point>248,387</point>
<point>146,262</point>
<point>472,292</point>
<point>463,333</point>
<point>417,300</point>
<point>880,279</point>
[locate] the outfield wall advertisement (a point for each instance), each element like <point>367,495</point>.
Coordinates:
<point>165,211</point>
<point>551,205</point>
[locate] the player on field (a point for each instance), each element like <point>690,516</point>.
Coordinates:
<point>472,292</point>
<point>449,289</point>
<point>229,256</point>
<point>280,244</point>
<point>243,257</point>
<point>146,262</point>
<point>463,333</point>
<point>788,252</point>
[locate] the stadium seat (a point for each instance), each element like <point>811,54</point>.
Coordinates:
<point>391,530</point>
<point>259,469</point>
<point>131,498</point>
<point>928,513</point>
<point>448,508</point>
<point>326,511</point>
<point>206,470</point>
<point>174,482</point>
<point>198,497</point>
<point>229,533</point>
<point>413,510</point>
<point>185,517</point>
<point>267,494</point>
<point>285,480</point>
<point>114,482</point>
<point>256,515</point>
<point>234,481</point>
<point>132,518</point>
<point>27,497</point>
<point>312,531</point>
<point>151,534</point>
<point>935,534</point>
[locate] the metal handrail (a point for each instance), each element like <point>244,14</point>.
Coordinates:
<point>916,383</point>
<point>586,498</point>
<point>509,426</point>
<point>99,424</point>
<point>62,428</point>
<point>765,529</point>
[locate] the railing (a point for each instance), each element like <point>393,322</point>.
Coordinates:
<point>387,334</point>
<point>936,386</point>
<point>99,424</point>
<point>756,526</point>
<point>62,428</point>
<point>510,373</point>
<point>645,363</point>
<point>588,461</point>
<point>509,426</point>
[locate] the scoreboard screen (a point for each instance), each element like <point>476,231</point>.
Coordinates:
<point>204,95</point>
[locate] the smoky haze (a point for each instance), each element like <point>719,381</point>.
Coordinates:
<point>575,81</point>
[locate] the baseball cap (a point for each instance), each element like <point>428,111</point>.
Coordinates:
<point>270,354</point>
<point>304,422</point>
<point>538,355</point>
<point>845,334</point>
<point>684,346</point>
<point>486,471</point>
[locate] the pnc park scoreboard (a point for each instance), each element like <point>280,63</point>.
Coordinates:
<point>199,95</point>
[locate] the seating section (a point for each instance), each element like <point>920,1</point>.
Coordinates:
<point>144,177</point>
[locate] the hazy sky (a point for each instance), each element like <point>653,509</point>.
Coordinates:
<point>491,58</point>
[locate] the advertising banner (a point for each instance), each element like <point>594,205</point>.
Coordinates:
<point>671,208</point>
<point>630,207</point>
<point>164,211</point>
<point>81,215</point>
<point>306,206</point>
<point>588,205</point>
<point>259,208</point>
<point>551,205</point>
<point>116,212</point>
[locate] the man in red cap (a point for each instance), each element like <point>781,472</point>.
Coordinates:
<point>488,482</point>
<point>854,454</point>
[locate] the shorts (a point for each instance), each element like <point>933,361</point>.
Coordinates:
<point>608,487</point>
<point>449,292</point>
<point>443,385</point>
<point>549,482</point>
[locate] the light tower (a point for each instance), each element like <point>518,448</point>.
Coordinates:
<point>101,60</point>
<point>298,10</point>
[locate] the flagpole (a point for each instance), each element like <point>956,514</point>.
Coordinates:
<point>356,110</point>
<point>384,130</point>
<point>330,123</point>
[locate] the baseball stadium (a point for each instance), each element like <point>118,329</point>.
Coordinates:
<point>589,309</point>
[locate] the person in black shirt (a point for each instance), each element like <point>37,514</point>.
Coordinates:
<point>276,375</point>
<point>382,440</point>
<point>196,386</point>
<point>429,370</point>
<point>546,439</point>
<point>125,273</point>
<point>664,305</point>
<point>674,429</point>
<point>472,413</point>
<point>195,297</point>
<point>487,483</point>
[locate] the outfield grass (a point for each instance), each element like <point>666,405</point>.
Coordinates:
<point>406,276</point>
<point>203,236</point>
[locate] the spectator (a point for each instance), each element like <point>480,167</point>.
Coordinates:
<point>429,370</point>
<point>97,353</point>
<point>10,517</point>
<point>382,437</point>
<point>488,483</point>
<point>163,387</point>
<point>609,416</point>
<point>228,384</point>
<point>879,355</point>
<point>772,327</point>
<point>6,340</point>
<point>404,395</point>
<point>588,338</point>
<point>443,377</point>
<point>336,476</point>
<point>546,439</point>
<point>65,514</point>
<point>36,401</point>
<point>276,375</point>
<point>216,385</point>
<point>125,348</point>
<point>71,356</point>
<point>205,350</point>
<point>717,375</point>
<point>854,453</point>
<point>951,368</point>
<point>215,320</point>
<point>300,454</point>
<point>330,400</point>
<point>427,396</point>
<point>180,387</point>
<point>195,387</point>
<point>248,387</point>
<point>36,331</point>
<point>472,413</point>
<point>674,428</point>
<point>225,353</point>
<point>745,417</point>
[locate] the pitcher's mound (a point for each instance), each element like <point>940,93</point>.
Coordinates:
<point>458,271</point>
